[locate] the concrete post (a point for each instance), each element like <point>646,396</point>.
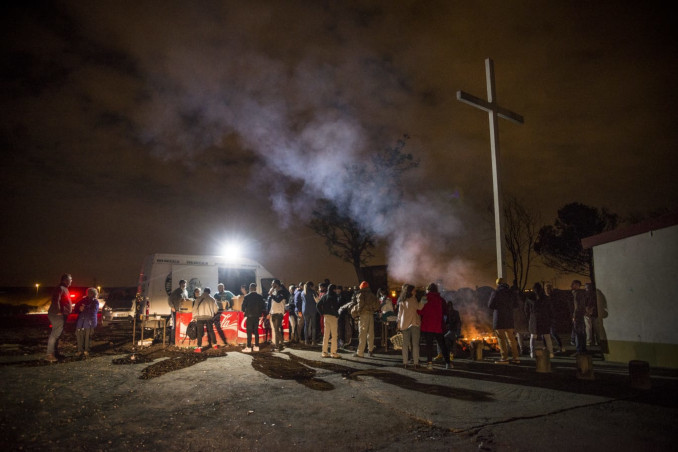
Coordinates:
<point>542,360</point>
<point>639,371</point>
<point>585,367</point>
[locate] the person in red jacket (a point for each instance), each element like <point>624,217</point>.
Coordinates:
<point>432,324</point>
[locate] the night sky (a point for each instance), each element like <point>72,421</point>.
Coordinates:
<point>131,128</point>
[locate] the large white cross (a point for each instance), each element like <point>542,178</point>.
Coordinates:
<point>494,110</point>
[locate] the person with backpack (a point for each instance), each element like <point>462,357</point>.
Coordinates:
<point>204,308</point>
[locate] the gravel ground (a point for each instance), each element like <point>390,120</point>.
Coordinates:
<point>173,399</point>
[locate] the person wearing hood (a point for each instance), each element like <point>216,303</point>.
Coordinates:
<point>367,305</point>
<point>204,308</point>
<point>432,318</point>
<point>328,307</point>
<point>503,302</point>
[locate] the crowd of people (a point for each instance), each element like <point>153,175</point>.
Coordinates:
<point>539,310</point>
<point>328,316</point>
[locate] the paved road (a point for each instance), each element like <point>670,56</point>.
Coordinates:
<point>297,401</point>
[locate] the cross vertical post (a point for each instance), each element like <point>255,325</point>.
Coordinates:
<point>494,111</point>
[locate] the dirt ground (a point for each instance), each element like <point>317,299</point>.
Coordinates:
<point>155,398</point>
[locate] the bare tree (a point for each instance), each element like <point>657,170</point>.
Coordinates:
<point>520,233</point>
<point>349,238</point>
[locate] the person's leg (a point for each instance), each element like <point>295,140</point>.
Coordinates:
<point>440,339</point>
<point>307,331</point>
<point>80,339</point>
<point>249,330</point>
<point>211,337</point>
<point>512,343</point>
<point>370,334</point>
<point>362,335</point>
<point>549,344</point>
<point>533,338</point>
<point>429,346</point>
<point>501,341</point>
<point>88,339</point>
<point>217,325</point>
<point>589,330</point>
<point>326,335</point>
<point>416,346</point>
<point>201,331</point>
<point>407,338</point>
<point>293,328</point>
<point>555,336</point>
<point>333,325</point>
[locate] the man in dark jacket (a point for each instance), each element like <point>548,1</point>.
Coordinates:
<point>328,306</point>
<point>253,305</point>
<point>578,311</point>
<point>503,302</point>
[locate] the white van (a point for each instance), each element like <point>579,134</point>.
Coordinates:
<point>161,273</point>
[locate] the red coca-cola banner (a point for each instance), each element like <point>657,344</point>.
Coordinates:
<point>232,324</point>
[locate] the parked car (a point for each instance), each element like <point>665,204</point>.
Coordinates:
<point>119,306</point>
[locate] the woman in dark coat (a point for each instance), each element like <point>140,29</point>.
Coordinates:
<point>538,311</point>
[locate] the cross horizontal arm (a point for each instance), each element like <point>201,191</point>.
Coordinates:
<point>488,107</point>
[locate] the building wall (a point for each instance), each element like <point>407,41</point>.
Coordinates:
<point>638,277</point>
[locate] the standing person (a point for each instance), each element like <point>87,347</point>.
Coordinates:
<point>58,312</point>
<point>204,308</point>
<point>432,315</point>
<point>591,315</point>
<point>553,328</point>
<point>299,309</point>
<point>453,327</point>
<point>277,297</point>
<point>293,318</point>
<point>409,323</point>
<point>309,311</point>
<point>175,300</point>
<point>538,312</point>
<point>224,300</point>
<point>578,312</point>
<point>367,306</point>
<point>328,307</point>
<point>253,305</point>
<point>87,310</point>
<point>502,302</point>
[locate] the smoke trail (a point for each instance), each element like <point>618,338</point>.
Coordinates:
<point>308,115</point>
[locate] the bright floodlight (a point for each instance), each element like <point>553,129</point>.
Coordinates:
<point>232,251</point>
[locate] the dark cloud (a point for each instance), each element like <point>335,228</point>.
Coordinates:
<point>141,127</point>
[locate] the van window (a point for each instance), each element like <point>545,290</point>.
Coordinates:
<point>233,278</point>
<point>265,286</point>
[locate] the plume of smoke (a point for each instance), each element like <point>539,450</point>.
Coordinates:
<point>308,127</point>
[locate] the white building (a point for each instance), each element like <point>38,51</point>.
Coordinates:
<point>636,271</point>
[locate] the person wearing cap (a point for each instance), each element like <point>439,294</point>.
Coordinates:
<point>367,305</point>
<point>277,297</point>
<point>503,302</point>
